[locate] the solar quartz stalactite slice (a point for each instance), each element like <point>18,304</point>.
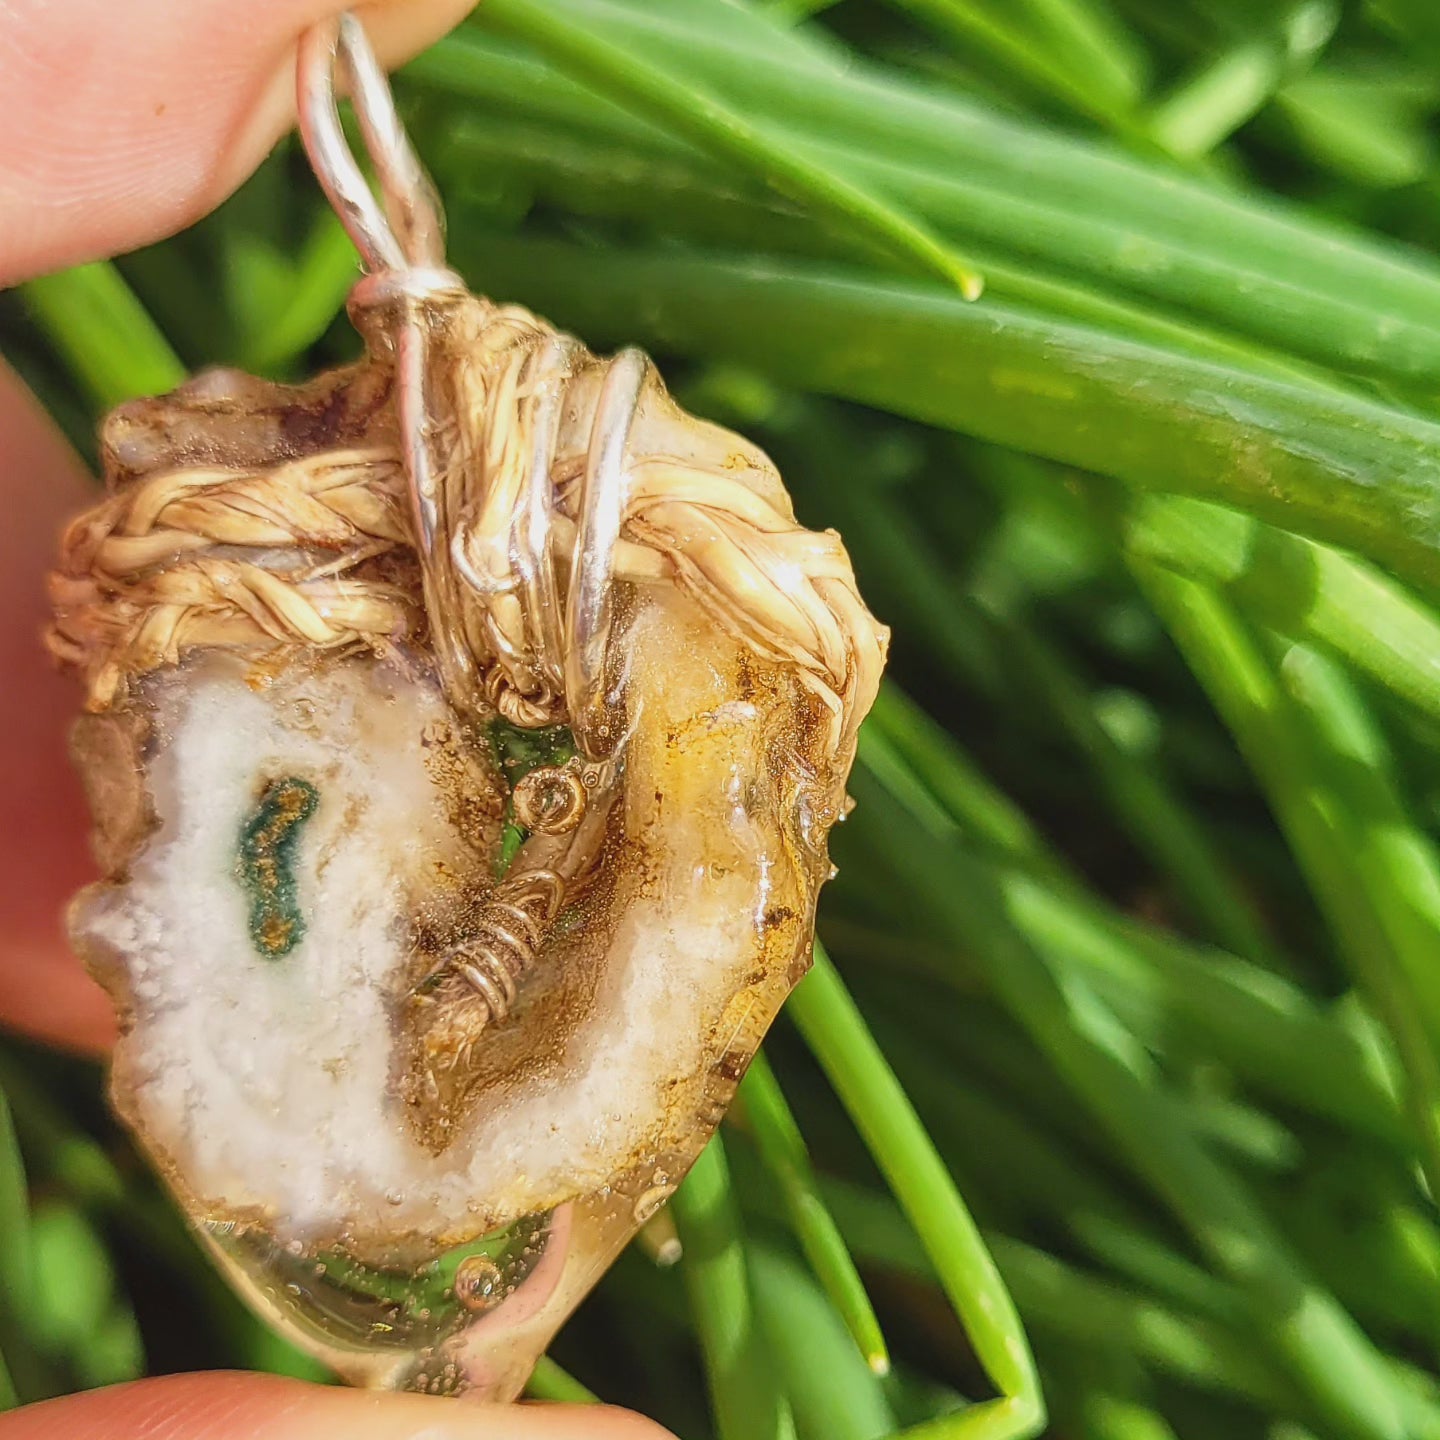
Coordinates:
<point>463,732</point>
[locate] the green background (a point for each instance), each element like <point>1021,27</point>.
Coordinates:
<point>1141,900</point>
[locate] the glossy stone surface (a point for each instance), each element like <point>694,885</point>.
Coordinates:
<point>416,1069</point>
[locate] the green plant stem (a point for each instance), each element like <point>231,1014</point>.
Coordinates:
<point>17,1266</point>
<point>1312,288</point>
<point>1349,834</point>
<point>782,1149</point>
<point>69,1158</point>
<point>959,785</point>
<point>1108,1417</point>
<point>1089,34</point>
<point>708,122</point>
<point>1290,584</point>
<point>325,272</point>
<point>837,1035</point>
<point>832,1390</point>
<point>746,1399</point>
<point>1166,991</point>
<point>1322,1348</point>
<point>644,183</point>
<point>961,623</point>
<point>1230,88</point>
<point>1141,797</point>
<point>548,1381</point>
<point>1013,52</point>
<point>1071,1307</point>
<point>104,334</point>
<point>1351,472</point>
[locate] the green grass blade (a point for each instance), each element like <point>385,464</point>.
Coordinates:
<point>834,1393</point>
<point>1110,1418</point>
<point>741,25</point>
<point>67,1157</point>
<point>548,1381</point>
<point>1359,878</point>
<point>1010,51</point>
<point>1352,472</point>
<point>744,1393</point>
<point>1071,1307</point>
<point>1167,991</point>
<point>1417,20</point>
<point>1290,584</point>
<point>324,273</point>
<point>77,1317</point>
<point>837,1035</point>
<point>895,549</point>
<point>716,127</point>
<point>1362,128</point>
<point>782,1149</point>
<point>17,1278</point>
<point>1207,107</point>
<point>1321,1346</point>
<point>1396,859</point>
<point>1173,995</point>
<point>1140,796</point>
<point>1262,269</point>
<point>985,636</point>
<point>103,333</point>
<point>582,156</point>
<point>1089,34</point>
<point>1249,1018</point>
<point>957,782</point>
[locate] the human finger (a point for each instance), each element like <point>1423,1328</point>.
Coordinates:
<point>224,1406</point>
<point>43,852</point>
<point>124,122</point>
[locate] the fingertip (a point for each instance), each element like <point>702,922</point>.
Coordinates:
<point>124,123</point>
<point>397,29</point>
<point>44,856</point>
<point>226,1406</point>
<point>597,1422</point>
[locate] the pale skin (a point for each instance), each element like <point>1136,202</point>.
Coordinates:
<point>125,121</point>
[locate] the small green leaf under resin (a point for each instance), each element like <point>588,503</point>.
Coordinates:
<point>518,752</point>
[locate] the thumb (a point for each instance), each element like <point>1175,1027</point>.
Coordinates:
<point>43,854</point>
<point>265,1407</point>
<point>124,123</point>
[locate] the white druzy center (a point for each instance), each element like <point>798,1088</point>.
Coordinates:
<point>268,1081</point>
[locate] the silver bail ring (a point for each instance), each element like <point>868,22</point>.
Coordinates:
<point>408,232</point>
<point>400,236</point>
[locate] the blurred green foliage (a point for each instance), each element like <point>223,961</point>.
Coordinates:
<point>1141,901</point>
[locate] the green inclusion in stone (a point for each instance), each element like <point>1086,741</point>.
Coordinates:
<point>266,864</point>
<point>518,752</point>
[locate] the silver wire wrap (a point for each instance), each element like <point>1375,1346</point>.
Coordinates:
<point>535,486</point>
<point>400,239</point>
<point>409,232</point>
<point>533,482</point>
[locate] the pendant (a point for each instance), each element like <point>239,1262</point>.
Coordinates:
<point>463,730</point>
